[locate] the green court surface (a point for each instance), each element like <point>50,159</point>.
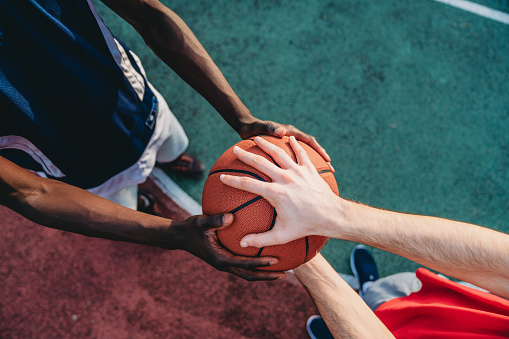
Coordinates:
<point>410,98</point>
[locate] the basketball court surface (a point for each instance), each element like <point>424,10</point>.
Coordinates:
<point>410,99</point>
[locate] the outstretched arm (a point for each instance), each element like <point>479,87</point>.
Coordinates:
<point>176,45</point>
<point>344,312</point>
<point>68,208</point>
<point>305,205</point>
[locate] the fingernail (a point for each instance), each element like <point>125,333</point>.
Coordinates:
<point>227,218</point>
<point>332,168</point>
<point>221,177</point>
<point>243,244</point>
<point>272,262</point>
<point>236,148</point>
<point>280,132</point>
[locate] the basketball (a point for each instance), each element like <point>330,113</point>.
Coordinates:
<point>254,214</point>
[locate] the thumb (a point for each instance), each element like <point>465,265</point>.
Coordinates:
<point>272,237</point>
<point>279,132</point>
<point>217,221</point>
<point>272,128</point>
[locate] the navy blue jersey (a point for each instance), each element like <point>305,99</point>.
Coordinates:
<point>68,103</point>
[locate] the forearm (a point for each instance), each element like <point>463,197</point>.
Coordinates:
<point>64,207</point>
<point>176,45</point>
<point>464,251</point>
<point>344,312</point>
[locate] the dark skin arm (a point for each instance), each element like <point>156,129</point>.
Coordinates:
<point>58,205</point>
<point>174,43</point>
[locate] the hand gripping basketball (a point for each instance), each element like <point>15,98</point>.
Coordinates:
<point>253,213</point>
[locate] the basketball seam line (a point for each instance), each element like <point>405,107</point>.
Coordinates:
<point>275,163</point>
<point>238,171</point>
<point>274,215</point>
<point>271,158</point>
<point>274,219</point>
<point>247,203</point>
<point>307,250</point>
<point>259,197</point>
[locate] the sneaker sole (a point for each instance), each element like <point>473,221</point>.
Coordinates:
<point>308,325</point>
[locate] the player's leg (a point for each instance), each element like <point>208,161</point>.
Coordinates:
<point>127,197</point>
<point>390,287</point>
<point>171,156</point>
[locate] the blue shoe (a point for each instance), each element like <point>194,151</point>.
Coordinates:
<point>317,328</point>
<point>363,267</point>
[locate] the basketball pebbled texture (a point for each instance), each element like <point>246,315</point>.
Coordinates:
<point>254,214</point>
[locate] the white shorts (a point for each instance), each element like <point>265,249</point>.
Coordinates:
<point>167,143</point>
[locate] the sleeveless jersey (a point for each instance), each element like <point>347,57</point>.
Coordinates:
<point>73,102</point>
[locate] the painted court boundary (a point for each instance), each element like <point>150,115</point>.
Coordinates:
<point>480,10</point>
<point>177,194</point>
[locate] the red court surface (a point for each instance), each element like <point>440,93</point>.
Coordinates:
<point>61,285</point>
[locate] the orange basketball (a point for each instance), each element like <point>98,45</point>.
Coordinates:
<point>254,214</point>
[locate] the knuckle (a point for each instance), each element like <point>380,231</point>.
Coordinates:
<point>301,151</point>
<point>278,193</point>
<point>255,243</point>
<point>246,265</point>
<point>279,151</point>
<point>200,221</point>
<point>286,177</point>
<point>258,160</point>
<point>244,182</point>
<point>278,238</point>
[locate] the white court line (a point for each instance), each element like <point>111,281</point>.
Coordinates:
<point>484,11</point>
<point>177,194</point>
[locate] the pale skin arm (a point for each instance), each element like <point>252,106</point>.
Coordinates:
<point>305,205</point>
<point>58,205</point>
<point>176,45</point>
<point>340,306</point>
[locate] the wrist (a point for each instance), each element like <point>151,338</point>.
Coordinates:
<point>169,236</point>
<point>333,217</point>
<point>243,117</point>
<point>342,223</point>
<point>160,232</point>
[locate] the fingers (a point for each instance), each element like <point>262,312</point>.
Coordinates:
<point>331,168</point>
<point>300,153</point>
<point>245,267</point>
<point>252,275</point>
<point>262,127</point>
<point>215,222</point>
<point>246,184</point>
<point>280,132</point>
<point>311,141</point>
<point>277,153</point>
<point>316,146</point>
<point>302,156</point>
<point>269,238</point>
<point>247,263</point>
<point>273,128</point>
<point>260,163</point>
